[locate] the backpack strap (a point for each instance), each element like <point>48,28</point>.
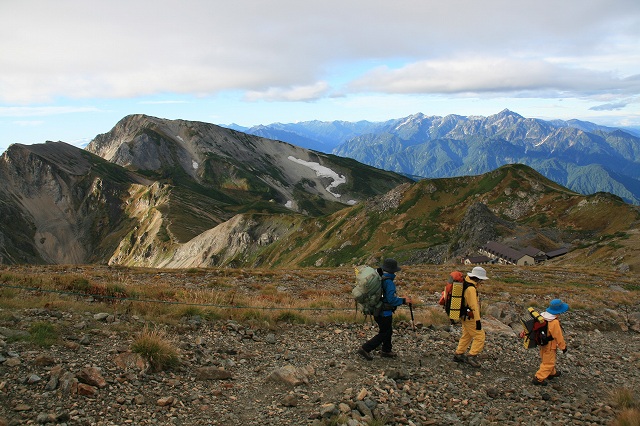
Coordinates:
<point>386,306</point>
<point>382,280</point>
<point>465,285</point>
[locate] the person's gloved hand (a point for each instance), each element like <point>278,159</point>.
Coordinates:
<point>478,325</point>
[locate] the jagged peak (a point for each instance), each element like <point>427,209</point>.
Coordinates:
<point>136,118</point>
<point>507,112</point>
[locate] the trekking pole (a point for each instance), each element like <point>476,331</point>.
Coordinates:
<point>413,323</point>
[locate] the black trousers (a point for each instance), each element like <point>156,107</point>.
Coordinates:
<point>385,325</point>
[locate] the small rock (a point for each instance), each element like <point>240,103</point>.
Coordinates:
<point>92,376</point>
<point>167,400</point>
<point>212,373</point>
<point>12,362</point>
<point>44,360</point>
<point>328,410</point>
<point>33,378</point>
<point>86,390</point>
<point>290,401</point>
<point>22,407</point>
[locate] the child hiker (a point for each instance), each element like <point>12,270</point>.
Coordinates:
<point>548,352</point>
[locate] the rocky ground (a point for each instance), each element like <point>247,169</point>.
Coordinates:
<point>234,373</point>
<point>302,374</point>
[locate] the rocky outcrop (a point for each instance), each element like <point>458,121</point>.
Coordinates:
<point>478,226</point>
<point>58,202</point>
<point>236,241</point>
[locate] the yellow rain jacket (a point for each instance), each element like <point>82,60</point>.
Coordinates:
<point>470,333</point>
<point>549,351</point>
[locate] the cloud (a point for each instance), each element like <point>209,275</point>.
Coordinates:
<point>299,93</point>
<point>166,102</point>
<point>491,75</point>
<point>618,104</point>
<point>293,50</point>
<point>609,107</point>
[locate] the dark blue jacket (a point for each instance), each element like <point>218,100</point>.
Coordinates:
<point>389,293</point>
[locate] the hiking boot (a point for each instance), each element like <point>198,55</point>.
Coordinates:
<point>460,358</point>
<point>537,382</point>
<point>364,354</point>
<point>473,361</point>
<point>553,376</point>
<point>388,354</point>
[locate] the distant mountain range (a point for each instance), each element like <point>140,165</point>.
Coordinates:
<point>150,184</point>
<point>180,194</point>
<point>582,156</point>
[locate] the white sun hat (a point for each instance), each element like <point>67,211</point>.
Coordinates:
<point>478,272</point>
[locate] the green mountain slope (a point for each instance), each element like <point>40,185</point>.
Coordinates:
<point>442,220</point>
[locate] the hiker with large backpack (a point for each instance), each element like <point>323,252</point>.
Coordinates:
<point>555,340</point>
<point>384,314</point>
<point>472,332</point>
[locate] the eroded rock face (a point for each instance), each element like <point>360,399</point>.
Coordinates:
<point>59,204</point>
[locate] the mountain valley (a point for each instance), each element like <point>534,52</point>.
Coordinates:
<point>179,194</point>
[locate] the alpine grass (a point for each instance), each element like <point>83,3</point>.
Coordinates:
<point>625,400</point>
<point>156,348</point>
<point>43,334</point>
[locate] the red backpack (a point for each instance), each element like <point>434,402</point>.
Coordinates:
<point>535,330</point>
<point>448,295</point>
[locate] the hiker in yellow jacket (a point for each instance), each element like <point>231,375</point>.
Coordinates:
<point>472,332</point>
<point>548,352</point>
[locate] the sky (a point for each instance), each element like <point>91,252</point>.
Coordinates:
<point>71,69</point>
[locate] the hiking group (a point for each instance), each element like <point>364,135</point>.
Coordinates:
<point>375,295</point>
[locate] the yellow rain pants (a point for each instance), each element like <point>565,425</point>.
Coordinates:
<point>469,332</point>
<point>548,352</point>
<point>469,335</point>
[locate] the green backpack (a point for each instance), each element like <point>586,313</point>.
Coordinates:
<point>368,290</point>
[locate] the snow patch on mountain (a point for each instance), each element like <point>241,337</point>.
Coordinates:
<point>322,171</point>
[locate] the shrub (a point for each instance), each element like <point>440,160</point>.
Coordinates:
<point>43,334</point>
<point>116,291</point>
<point>212,315</point>
<point>155,347</point>
<point>291,318</point>
<point>630,417</point>
<point>253,315</point>
<point>79,285</point>
<point>624,398</point>
<point>190,311</point>
<point>401,317</point>
<point>436,316</point>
